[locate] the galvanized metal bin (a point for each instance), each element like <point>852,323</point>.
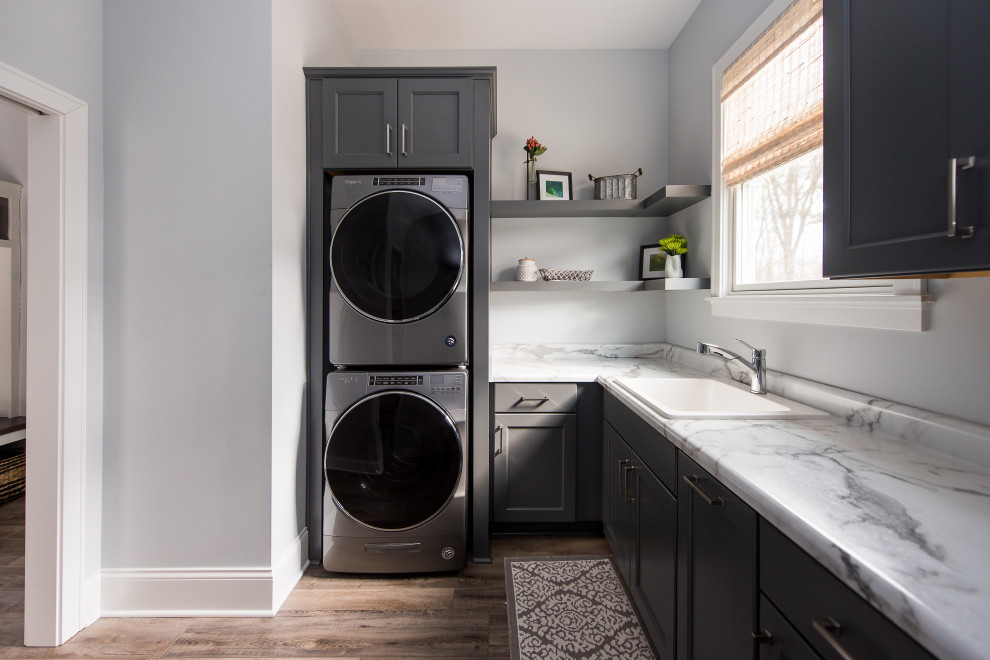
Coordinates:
<point>616,186</point>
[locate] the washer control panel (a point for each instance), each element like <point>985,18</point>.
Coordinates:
<point>392,380</point>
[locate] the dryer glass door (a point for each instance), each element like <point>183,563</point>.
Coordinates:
<point>393,460</point>
<point>397,256</point>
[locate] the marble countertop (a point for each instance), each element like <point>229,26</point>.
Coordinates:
<point>863,492</point>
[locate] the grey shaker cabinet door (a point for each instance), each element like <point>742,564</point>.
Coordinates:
<point>618,523</point>
<point>654,583</point>
<point>434,122</point>
<point>534,467</point>
<point>360,123</point>
<point>641,528</point>
<point>906,90</point>
<point>716,568</point>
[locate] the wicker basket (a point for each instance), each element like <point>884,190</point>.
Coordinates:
<point>558,275</point>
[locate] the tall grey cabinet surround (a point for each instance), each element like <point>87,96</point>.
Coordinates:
<point>449,118</point>
<point>907,141</point>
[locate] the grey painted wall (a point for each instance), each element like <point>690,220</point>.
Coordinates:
<point>189,283</point>
<point>946,369</point>
<point>599,112</point>
<point>304,33</point>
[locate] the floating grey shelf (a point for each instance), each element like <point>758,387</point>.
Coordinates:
<point>678,284</point>
<point>666,201</point>
<point>672,284</point>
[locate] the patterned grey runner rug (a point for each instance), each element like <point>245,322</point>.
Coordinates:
<point>570,608</point>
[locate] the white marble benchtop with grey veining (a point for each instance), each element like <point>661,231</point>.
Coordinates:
<point>893,500</point>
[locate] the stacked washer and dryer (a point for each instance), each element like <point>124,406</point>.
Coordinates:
<point>396,406</point>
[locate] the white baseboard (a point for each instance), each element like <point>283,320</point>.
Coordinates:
<point>289,567</point>
<point>194,592</point>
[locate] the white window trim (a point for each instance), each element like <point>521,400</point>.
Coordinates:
<point>888,305</point>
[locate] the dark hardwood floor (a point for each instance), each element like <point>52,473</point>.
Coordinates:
<point>327,615</point>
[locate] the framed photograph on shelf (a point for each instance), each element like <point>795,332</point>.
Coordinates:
<point>651,262</point>
<point>553,185</point>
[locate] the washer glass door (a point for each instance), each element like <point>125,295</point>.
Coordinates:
<point>393,460</point>
<point>397,256</point>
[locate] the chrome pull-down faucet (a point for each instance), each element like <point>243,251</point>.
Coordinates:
<point>757,367</point>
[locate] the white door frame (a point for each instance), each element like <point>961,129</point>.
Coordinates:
<point>64,462</point>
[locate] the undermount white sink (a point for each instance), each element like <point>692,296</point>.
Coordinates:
<point>705,398</point>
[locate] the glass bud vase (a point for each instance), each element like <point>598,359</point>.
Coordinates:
<point>531,191</point>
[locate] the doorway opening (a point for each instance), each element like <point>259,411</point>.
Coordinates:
<point>64,459</point>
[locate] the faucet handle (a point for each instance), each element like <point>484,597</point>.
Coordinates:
<point>756,351</point>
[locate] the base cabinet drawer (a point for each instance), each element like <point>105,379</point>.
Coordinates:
<point>835,620</point>
<point>535,397</point>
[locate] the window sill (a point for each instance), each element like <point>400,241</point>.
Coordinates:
<point>907,312</point>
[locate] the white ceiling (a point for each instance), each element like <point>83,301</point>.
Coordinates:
<point>514,24</point>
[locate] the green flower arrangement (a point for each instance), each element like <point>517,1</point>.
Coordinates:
<point>674,244</point>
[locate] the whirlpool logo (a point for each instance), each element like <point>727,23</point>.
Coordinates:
<point>351,182</point>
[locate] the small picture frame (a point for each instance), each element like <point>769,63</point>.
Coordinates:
<point>553,185</point>
<point>651,262</point>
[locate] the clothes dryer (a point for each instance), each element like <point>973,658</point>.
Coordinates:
<point>398,292</point>
<point>395,471</point>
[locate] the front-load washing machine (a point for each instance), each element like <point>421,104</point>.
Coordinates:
<point>394,471</point>
<point>398,291</point>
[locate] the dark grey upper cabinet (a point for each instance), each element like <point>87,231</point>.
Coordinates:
<point>361,117</point>
<point>716,554</point>
<point>397,122</point>
<point>434,122</point>
<point>907,94</point>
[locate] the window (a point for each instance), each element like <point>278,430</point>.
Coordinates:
<point>767,164</point>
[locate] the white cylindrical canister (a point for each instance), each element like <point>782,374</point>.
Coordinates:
<point>526,271</point>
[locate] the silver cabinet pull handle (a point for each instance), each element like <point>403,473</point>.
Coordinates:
<point>498,430</point>
<point>762,637</point>
<point>831,630</point>
<point>404,129</point>
<point>692,480</point>
<point>629,499</point>
<point>388,139</point>
<point>622,477</point>
<point>956,164</point>
<point>541,399</point>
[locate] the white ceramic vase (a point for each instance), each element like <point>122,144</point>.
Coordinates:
<point>672,267</point>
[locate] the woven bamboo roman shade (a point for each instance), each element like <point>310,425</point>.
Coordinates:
<point>772,95</point>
